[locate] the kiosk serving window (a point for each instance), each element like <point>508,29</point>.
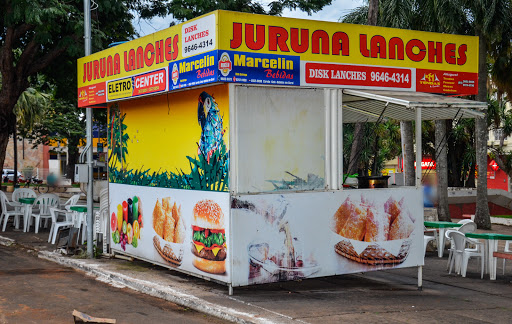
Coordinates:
<point>280,139</point>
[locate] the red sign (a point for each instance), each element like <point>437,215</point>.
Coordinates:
<point>149,82</point>
<point>91,95</point>
<point>426,164</point>
<point>358,75</point>
<point>436,81</point>
<point>494,165</point>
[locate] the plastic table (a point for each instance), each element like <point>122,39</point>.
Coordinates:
<point>26,205</point>
<point>442,226</point>
<point>491,245</point>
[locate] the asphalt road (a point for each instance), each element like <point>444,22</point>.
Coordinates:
<point>33,290</point>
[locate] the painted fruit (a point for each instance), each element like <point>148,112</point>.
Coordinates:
<point>113,222</point>
<point>124,227</point>
<point>119,218</point>
<point>129,233</point>
<point>140,221</point>
<point>136,229</point>
<point>135,242</point>
<point>115,237</point>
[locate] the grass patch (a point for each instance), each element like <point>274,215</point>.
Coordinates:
<point>502,216</point>
<point>211,175</point>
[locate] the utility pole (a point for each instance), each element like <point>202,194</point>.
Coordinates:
<point>89,147</point>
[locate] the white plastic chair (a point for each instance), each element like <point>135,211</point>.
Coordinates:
<point>461,254</point>
<point>70,202</point>
<point>56,224</point>
<point>23,193</point>
<point>101,219</point>
<point>9,209</point>
<point>508,248</point>
<point>468,226</point>
<point>44,202</point>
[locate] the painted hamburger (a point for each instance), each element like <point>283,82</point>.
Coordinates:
<point>209,237</point>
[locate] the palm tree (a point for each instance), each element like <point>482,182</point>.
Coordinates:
<point>29,108</point>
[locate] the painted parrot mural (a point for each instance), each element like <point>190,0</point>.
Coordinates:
<point>210,120</point>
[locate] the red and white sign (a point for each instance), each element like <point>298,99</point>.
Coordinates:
<point>91,95</point>
<point>494,165</point>
<point>198,36</point>
<point>358,75</point>
<point>426,164</point>
<point>149,82</point>
<point>436,81</point>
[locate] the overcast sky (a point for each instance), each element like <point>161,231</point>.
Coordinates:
<point>333,12</point>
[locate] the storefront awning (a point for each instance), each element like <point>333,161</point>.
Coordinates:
<point>370,105</point>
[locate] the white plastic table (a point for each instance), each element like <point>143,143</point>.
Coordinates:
<point>442,226</point>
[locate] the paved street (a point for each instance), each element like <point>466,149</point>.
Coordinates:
<point>38,291</point>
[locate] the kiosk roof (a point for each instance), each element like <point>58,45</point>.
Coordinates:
<point>370,105</point>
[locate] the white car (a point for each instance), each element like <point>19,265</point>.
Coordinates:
<point>9,173</point>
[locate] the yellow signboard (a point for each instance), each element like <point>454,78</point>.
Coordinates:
<point>120,89</point>
<point>238,47</point>
<point>318,41</point>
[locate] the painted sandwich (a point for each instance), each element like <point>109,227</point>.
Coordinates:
<point>209,237</point>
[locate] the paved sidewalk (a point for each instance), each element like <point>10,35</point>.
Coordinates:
<point>389,296</point>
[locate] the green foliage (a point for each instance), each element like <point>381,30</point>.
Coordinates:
<point>117,137</point>
<point>185,9</point>
<point>203,175</point>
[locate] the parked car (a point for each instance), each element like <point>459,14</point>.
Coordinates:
<point>9,174</point>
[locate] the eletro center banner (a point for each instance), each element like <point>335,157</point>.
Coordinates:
<point>227,46</point>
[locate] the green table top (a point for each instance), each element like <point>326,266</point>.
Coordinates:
<point>27,201</point>
<point>489,236</point>
<point>441,224</point>
<point>80,209</point>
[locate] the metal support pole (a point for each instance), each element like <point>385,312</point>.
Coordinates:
<point>420,277</point>
<point>88,116</point>
<point>334,140</point>
<point>419,156</point>
<point>327,148</point>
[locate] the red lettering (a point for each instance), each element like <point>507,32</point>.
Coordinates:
<point>159,51</point>
<point>378,46</point>
<point>237,36</point>
<point>96,70</point>
<point>140,57</point>
<point>304,40</point>
<point>396,48</point>
<point>103,67</point>
<point>340,43</point>
<point>150,49</point>
<point>416,57</point>
<point>110,66</point>
<point>277,36</point>
<point>250,41</point>
<point>462,54</point>
<point>435,52</point>
<point>168,49</point>
<point>175,42</point>
<point>320,35</point>
<point>449,53</point>
<point>117,63</point>
<point>362,46</point>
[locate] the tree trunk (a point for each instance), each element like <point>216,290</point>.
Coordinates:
<point>482,218</point>
<point>15,148</point>
<point>373,12</point>
<point>357,143</point>
<point>408,152</point>
<point>356,149</point>
<point>73,155</point>
<point>443,211</point>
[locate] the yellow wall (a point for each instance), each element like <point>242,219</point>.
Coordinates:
<point>164,129</point>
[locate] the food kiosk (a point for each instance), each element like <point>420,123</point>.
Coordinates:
<point>225,142</point>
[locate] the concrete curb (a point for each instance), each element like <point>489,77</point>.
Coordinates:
<point>165,292</point>
<point>6,241</point>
